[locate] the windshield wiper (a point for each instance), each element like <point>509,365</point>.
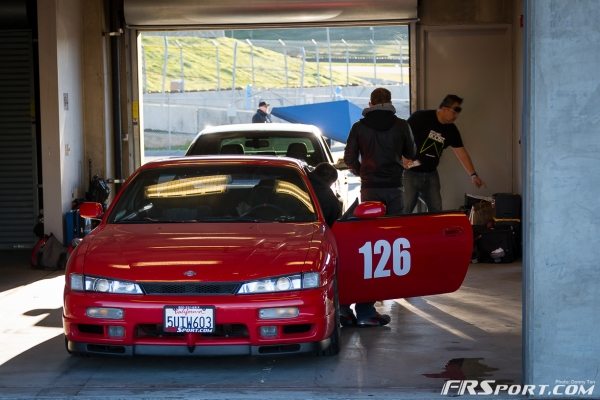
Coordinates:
<point>284,218</point>
<point>133,214</point>
<point>144,220</point>
<point>230,219</point>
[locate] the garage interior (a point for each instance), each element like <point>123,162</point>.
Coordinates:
<point>461,335</point>
<point>526,70</point>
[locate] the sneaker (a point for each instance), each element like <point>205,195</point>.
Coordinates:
<point>347,318</point>
<point>375,320</point>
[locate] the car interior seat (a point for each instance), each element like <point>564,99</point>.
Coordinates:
<point>263,192</point>
<point>232,148</point>
<point>297,150</point>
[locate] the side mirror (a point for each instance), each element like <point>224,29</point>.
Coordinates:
<point>91,210</point>
<point>369,210</point>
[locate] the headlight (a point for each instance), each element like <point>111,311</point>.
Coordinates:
<point>281,283</point>
<point>103,285</point>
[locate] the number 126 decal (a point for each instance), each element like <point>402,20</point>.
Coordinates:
<point>398,251</point>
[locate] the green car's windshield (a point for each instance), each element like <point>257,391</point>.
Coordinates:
<point>215,193</point>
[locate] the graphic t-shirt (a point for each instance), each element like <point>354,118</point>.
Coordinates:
<point>431,138</point>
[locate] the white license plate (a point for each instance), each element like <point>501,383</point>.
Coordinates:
<point>189,319</point>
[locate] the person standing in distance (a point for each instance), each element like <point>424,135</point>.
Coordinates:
<point>434,130</point>
<point>262,114</point>
<point>375,149</point>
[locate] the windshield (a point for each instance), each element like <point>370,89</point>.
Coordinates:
<point>215,193</point>
<point>303,146</point>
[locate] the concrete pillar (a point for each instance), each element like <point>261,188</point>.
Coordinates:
<point>61,110</point>
<point>561,136</point>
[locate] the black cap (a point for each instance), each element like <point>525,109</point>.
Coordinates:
<point>263,103</point>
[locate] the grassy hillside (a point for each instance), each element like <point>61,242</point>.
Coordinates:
<point>200,64</point>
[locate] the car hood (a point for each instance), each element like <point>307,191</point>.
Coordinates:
<point>210,252</point>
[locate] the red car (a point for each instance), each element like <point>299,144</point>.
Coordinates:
<point>230,255</point>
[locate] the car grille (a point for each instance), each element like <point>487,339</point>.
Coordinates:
<point>191,288</point>
<point>224,331</point>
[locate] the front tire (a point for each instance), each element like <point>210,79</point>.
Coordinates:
<point>71,352</point>
<point>334,340</point>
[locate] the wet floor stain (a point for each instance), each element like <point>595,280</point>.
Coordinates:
<point>465,368</point>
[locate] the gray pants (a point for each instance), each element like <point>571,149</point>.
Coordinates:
<point>423,184</point>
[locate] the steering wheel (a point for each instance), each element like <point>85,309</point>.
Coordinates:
<point>269,209</point>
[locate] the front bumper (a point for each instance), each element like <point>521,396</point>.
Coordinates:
<point>207,351</point>
<point>237,330</point>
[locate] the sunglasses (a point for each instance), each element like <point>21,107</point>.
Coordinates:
<point>456,109</point>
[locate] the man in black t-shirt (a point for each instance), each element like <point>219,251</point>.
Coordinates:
<point>434,130</point>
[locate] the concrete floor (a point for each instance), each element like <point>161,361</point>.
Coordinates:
<point>474,333</point>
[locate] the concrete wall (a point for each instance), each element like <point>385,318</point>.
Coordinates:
<point>517,73</point>
<point>73,52</point>
<point>97,99</point>
<point>561,139</point>
<point>468,48</point>
<point>453,12</point>
<point>61,99</point>
<point>475,62</point>
<point>192,112</point>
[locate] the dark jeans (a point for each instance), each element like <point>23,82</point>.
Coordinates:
<point>393,200</point>
<point>391,197</point>
<point>423,184</point>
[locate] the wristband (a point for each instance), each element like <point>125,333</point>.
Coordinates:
<point>473,174</point>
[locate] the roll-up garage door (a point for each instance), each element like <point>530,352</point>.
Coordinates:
<point>187,14</point>
<point>18,179</point>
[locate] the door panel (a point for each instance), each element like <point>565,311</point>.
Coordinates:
<point>404,256</point>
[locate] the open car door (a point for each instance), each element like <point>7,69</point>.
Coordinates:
<point>388,257</point>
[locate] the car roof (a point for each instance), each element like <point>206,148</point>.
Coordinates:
<point>273,127</point>
<point>218,159</point>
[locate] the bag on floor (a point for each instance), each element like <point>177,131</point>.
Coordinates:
<point>482,213</point>
<point>507,206</point>
<point>52,254</point>
<point>36,252</point>
<point>498,244</point>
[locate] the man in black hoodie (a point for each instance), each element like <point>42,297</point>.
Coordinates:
<point>374,151</point>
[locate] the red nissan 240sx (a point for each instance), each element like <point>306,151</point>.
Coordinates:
<point>230,255</point>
